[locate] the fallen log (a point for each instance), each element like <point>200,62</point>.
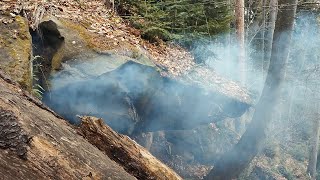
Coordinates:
<point>36,144</point>
<point>135,159</point>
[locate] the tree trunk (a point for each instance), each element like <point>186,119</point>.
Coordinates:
<point>235,161</point>
<point>263,33</point>
<point>35,143</point>
<point>239,10</point>
<point>269,34</point>
<point>314,144</point>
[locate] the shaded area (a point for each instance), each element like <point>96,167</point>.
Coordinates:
<point>46,40</point>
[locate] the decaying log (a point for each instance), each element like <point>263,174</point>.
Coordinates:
<point>134,158</point>
<point>36,144</point>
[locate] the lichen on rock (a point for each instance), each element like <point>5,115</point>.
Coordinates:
<point>16,49</point>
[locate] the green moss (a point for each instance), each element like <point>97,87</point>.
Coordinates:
<point>16,44</point>
<point>24,28</point>
<point>97,44</point>
<point>57,59</point>
<point>24,48</point>
<point>86,36</point>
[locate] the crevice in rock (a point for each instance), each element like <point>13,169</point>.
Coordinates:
<point>46,42</point>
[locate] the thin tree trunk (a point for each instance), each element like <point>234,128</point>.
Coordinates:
<point>269,35</point>
<point>239,10</point>
<point>235,161</point>
<point>263,30</point>
<point>314,144</point>
<point>229,42</point>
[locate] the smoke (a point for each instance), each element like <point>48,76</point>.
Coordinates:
<point>134,98</point>
<point>298,105</point>
<point>222,55</point>
<point>300,94</point>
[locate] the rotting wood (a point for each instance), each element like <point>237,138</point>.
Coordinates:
<point>135,159</point>
<point>12,137</point>
<point>35,144</point>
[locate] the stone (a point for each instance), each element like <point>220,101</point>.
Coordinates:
<point>16,50</point>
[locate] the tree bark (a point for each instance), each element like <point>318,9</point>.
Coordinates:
<point>269,34</point>
<point>134,158</point>
<point>235,161</point>
<point>35,143</point>
<point>239,11</point>
<point>314,144</point>
<point>263,33</point>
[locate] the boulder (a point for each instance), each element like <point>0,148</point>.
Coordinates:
<point>57,40</point>
<point>16,49</point>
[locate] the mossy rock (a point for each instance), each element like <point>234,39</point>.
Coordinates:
<point>79,43</point>
<point>16,50</point>
<point>76,41</point>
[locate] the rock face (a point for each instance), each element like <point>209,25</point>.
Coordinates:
<point>16,49</point>
<point>35,143</point>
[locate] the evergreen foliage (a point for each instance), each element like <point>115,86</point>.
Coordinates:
<point>180,20</point>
